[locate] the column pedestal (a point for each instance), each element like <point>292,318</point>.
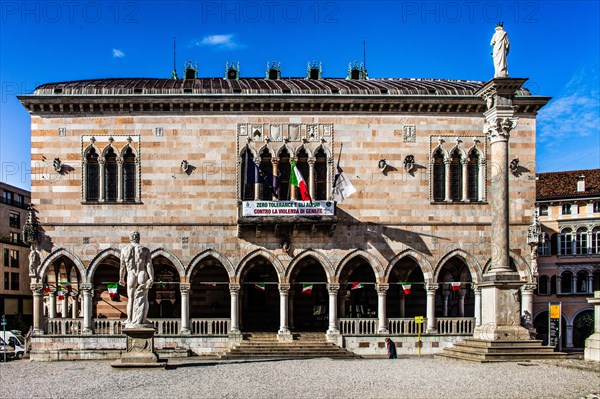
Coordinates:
<point>284,333</point>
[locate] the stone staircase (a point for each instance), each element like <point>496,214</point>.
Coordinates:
<point>479,351</point>
<point>304,345</point>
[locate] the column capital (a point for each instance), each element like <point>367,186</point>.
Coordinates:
<point>284,288</point>
<point>498,128</point>
<point>234,288</point>
<point>462,292</point>
<point>37,288</point>
<point>431,288</point>
<point>185,288</point>
<point>333,288</point>
<point>382,288</point>
<point>528,288</point>
<point>86,286</point>
<point>52,290</point>
<point>311,161</point>
<point>476,288</point>
<point>120,160</point>
<point>275,160</point>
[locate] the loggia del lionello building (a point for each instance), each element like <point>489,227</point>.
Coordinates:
<point>210,172</point>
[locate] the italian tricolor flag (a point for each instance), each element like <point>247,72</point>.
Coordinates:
<point>455,286</point>
<point>356,286</point>
<point>61,295</point>
<point>112,290</point>
<point>260,287</point>
<point>406,288</point>
<point>297,180</point>
<point>307,289</point>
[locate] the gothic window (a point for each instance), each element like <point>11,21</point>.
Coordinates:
<point>582,282</point>
<point>566,242</point>
<point>129,176</point>
<point>582,241</point>
<point>110,176</point>
<point>473,176</point>
<point>544,246</point>
<point>543,210</point>
<point>284,172</point>
<point>543,285</point>
<point>320,175</point>
<point>266,167</point>
<point>455,176</point>
<point>566,209</point>
<point>303,167</point>
<point>566,282</point>
<point>439,176</point>
<point>247,188</point>
<point>92,176</point>
<point>595,247</point>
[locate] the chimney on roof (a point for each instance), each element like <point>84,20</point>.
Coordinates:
<point>581,184</point>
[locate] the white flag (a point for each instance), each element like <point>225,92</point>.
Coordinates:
<point>343,187</point>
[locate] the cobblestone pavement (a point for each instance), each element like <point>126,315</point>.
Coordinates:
<point>408,377</point>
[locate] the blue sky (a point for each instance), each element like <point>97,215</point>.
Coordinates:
<point>553,43</point>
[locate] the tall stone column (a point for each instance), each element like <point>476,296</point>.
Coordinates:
<point>74,307</point>
<point>446,296</point>
<point>184,289</point>
<point>65,306</point>
<point>527,299</point>
<point>431,321</point>
<point>381,307</point>
<point>38,307</point>
<point>52,305</point>
<point>88,291</point>
<point>284,332</point>
<point>402,303</point>
<point>101,176</point>
<point>333,330</point>
<point>477,304</point>
<point>465,181</point>
<point>119,179</point>
<point>275,172</point>
<point>501,313</point>
<point>447,197</point>
<point>234,291</point>
<point>311,176</point>
<point>461,302</point>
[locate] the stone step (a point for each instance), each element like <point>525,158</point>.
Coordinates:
<point>496,351</point>
<point>492,344</point>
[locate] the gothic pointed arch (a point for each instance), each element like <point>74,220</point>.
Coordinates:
<point>371,259</point>
<point>423,263</point>
<point>327,266</point>
<point>305,148</point>
<point>438,174</point>
<point>211,253</point>
<point>172,258</point>
<point>261,253</point>
<point>286,147</point>
<point>471,262</point>
<point>57,254</point>
<point>325,149</point>
<point>266,147</point>
<point>245,148</point>
<point>98,259</point>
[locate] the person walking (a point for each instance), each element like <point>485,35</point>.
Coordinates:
<point>391,349</point>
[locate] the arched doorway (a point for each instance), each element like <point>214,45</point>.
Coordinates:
<point>209,297</point>
<point>310,298</point>
<point>583,327</point>
<point>260,296</point>
<point>358,296</point>
<point>454,297</point>
<point>540,323</point>
<point>413,303</point>
<point>105,303</point>
<point>164,297</point>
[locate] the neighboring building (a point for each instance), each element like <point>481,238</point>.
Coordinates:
<point>568,204</point>
<point>170,157</point>
<point>15,293</point>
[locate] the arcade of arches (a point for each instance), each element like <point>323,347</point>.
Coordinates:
<point>260,296</point>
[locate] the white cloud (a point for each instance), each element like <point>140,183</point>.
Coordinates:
<point>218,41</point>
<point>118,53</point>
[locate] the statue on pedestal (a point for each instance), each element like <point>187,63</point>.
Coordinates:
<point>34,261</point>
<point>500,51</point>
<point>136,263</point>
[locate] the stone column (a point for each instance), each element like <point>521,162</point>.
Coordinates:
<point>574,283</point>
<point>569,335</point>
<point>333,290</point>
<point>292,188</point>
<point>447,180</point>
<point>74,307</point>
<point>291,309</point>
<point>501,313</point>
<point>592,344</point>
<point>402,304</point>
<point>65,306</point>
<point>52,306</point>
<point>590,286</point>
<point>559,283</point>
<point>184,289</point>
<point>119,179</point>
<point>527,299</point>
<point>477,304</point>
<point>465,187</point>
<point>88,292</point>
<point>84,166</point>
<point>284,332</point>
<point>431,321</point>
<point>381,307</point>
<point>102,168</point>
<point>330,172</point>
<point>461,302</point>
<point>311,176</point>
<point>481,181</point>
<point>275,171</point>
<point>38,307</point>
<point>234,290</point>
<point>446,296</point>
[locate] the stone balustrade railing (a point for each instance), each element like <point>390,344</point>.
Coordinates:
<point>60,326</point>
<point>455,325</point>
<point>358,326</point>
<point>209,326</point>
<point>108,326</point>
<point>166,326</point>
<point>405,326</point>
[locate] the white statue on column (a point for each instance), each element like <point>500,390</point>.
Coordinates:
<point>136,262</point>
<point>500,51</point>
<point>34,261</point>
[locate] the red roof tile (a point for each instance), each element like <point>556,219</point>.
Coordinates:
<point>564,184</point>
